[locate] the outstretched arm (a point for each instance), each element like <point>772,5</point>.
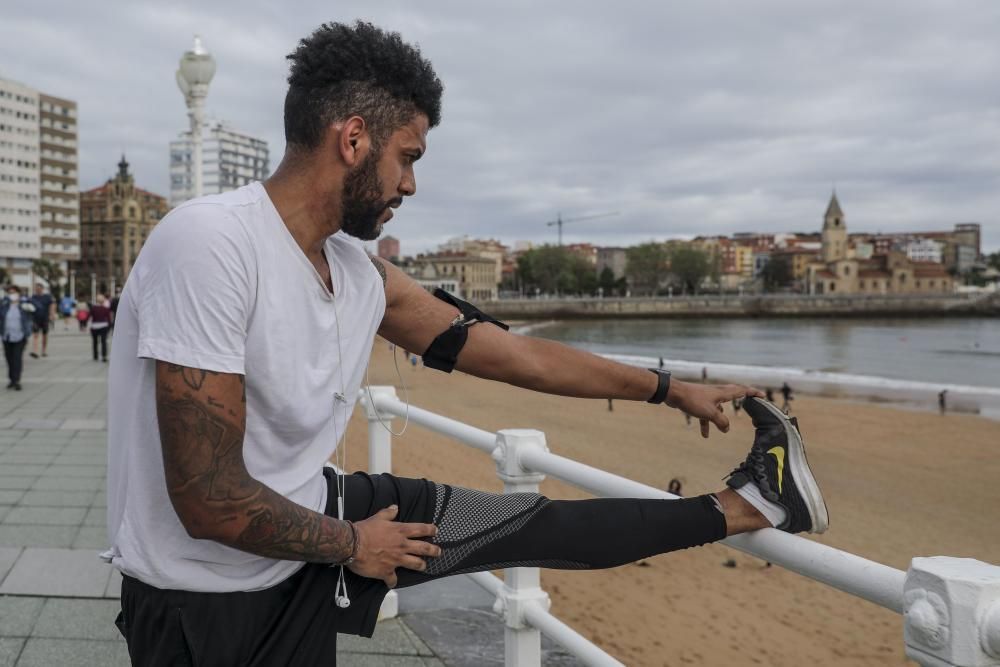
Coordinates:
<point>202,417</point>
<point>414,318</point>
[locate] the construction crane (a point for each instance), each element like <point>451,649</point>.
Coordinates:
<point>559,221</point>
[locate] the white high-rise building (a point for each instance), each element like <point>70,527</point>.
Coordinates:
<point>230,159</point>
<point>20,191</point>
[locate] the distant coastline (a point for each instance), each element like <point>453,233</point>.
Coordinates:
<point>748,306</point>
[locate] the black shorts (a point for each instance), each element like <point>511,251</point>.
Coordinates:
<point>41,326</point>
<point>293,623</point>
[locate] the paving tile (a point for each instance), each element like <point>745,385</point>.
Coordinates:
<point>53,498</point>
<point>65,459</point>
<point>94,538</point>
<point>34,458</point>
<point>7,422</point>
<point>44,652</point>
<point>380,660</point>
<point>96,516</point>
<point>18,614</point>
<point>10,649</point>
<point>114,589</point>
<point>16,483</point>
<point>78,619</point>
<point>24,447</point>
<point>11,496</point>
<point>37,536</point>
<point>58,572</point>
<point>83,425</point>
<point>7,557</point>
<point>389,636</point>
<point>38,424</point>
<point>65,470</point>
<point>50,483</point>
<point>46,516</point>
<point>23,470</point>
<point>5,510</point>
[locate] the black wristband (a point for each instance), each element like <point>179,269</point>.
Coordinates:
<point>662,386</point>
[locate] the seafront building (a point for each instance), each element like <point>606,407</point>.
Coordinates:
<point>230,159</point>
<point>39,206</point>
<point>116,219</point>
<point>20,200</point>
<point>841,271</point>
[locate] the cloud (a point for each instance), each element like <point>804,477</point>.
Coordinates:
<point>688,117</point>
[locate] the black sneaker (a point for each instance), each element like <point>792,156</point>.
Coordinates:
<point>777,465</point>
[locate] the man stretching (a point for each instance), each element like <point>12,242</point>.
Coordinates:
<point>221,515</point>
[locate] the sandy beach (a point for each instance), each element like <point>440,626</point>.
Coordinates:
<point>898,484</point>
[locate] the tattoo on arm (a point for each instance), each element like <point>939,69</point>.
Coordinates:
<point>380,269</point>
<point>210,486</point>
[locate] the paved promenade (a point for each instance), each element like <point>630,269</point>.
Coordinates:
<point>58,601</point>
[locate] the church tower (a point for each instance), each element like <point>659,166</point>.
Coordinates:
<point>834,232</point>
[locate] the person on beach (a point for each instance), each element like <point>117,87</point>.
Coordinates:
<point>943,401</point>
<point>242,338</point>
<point>786,395</point>
<point>45,307</point>
<point>16,323</point>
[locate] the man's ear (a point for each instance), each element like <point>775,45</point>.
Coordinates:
<point>353,141</point>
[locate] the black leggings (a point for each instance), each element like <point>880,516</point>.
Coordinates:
<point>102,335</point>
<point>296,622</point>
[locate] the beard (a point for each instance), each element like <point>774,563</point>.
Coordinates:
<point>361,202</point>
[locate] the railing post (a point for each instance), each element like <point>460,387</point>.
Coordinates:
<point>380,460</point>
<point>951,612</point>
<point>522,643</point>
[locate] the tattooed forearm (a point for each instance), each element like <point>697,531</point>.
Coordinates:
<point>213,493</point>
<point>379,268</point>
<point>193,377</point>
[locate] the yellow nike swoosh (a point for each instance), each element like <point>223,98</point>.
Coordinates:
<point>779,454</point>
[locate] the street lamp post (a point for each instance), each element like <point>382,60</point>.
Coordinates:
<point>197,67</point>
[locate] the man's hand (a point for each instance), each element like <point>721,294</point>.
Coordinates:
<point>385,544</point>
<point>704,401</point>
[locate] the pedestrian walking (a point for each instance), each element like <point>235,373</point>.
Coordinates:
<point>45,309</point>
<point>770,395</point>
<point>82,315</point>
<point>66,306</point>
<point>100,324</point>
<point>661,363</point>
<point>16,322</point>
<point>943,401</point>
<point>114,306</point>
<point>786,394</point>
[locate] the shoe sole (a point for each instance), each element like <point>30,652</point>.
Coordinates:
<point>799,464</point>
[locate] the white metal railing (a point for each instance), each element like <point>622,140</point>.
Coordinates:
<point>951,606</point>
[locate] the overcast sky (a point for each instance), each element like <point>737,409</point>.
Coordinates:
<point>688,117</point>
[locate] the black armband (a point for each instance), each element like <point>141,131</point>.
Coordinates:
<point>442,354</point>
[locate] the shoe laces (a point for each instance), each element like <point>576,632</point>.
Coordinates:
<point>753,468</point>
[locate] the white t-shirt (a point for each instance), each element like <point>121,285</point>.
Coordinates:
<point>221,285</point>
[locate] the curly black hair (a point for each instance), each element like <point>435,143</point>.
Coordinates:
<point>342,70</point>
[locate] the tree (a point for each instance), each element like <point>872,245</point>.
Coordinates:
<point>994,260</point>
<point>646,266</point>
<point>606,281</point>
<point>51,273</point>
<point>776,274</point>
<point>554,269</point>
<point>690,266</point>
